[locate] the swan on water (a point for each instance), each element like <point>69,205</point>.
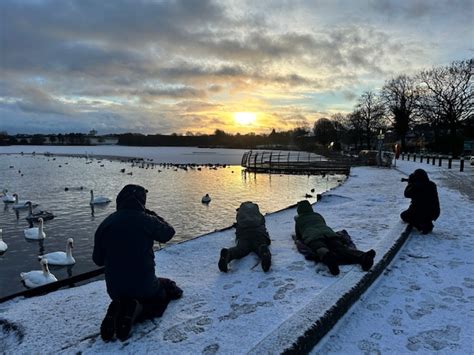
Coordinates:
<point>206,198</point>
<point>35,233</point>
<point>7,198</point>
<point>99,200</point>
<point>3,245</point>
<point>21,204</point>
<point>37,278</point>
<point>60,257</point>
<point>35,216</point>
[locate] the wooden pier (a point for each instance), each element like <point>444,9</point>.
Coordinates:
<point>292,162</point>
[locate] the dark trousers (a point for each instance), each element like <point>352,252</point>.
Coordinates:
<point>156,306</point>
<point>338,247</point>
<point>417,220</point>
<point>244,247</point>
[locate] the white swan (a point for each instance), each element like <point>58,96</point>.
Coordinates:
<point>3,245</point>
<point>37,278</point>
<point>35,233</point>
<point>99,200</point>
<point>21,204</point>
<point>206,198</point>
<point>7,198</point>
<point>60,257</point>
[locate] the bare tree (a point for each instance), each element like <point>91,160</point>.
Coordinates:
<point>450,95</point>
<point>400,96</point>
<point>372,113</point>
<point>324,131</point>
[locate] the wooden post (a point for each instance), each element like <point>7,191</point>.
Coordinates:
<point>461,164</point>
<point>271,154</point>
<point>440,160</point>
<point>434,160</point>
<point>450,161</point>
<point>414,157</point>
<point>421,158</point>
<point>255,161</point>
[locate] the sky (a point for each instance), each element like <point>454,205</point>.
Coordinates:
<point>188,66</point>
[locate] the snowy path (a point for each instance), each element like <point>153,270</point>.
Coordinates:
<point>424,301</point>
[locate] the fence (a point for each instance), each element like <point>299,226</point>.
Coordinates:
<point>291,162</point>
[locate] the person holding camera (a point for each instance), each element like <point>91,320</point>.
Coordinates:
<point>424,207</point>
<point>124,245</point>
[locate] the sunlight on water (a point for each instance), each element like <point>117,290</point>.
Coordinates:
<point>174,193</point>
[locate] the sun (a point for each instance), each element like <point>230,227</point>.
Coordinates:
<point>245,118</point>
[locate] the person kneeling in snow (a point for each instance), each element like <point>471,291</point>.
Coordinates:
<point>328,246</point>
<point>424,207</point>
<point>124,244</point>
<point>251,235</point>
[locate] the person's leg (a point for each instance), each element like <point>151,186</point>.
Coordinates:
<point>129,311</point>
<point>107,327</point>
<point>263,252</point>
<point>242,249</point>
<point>156,306</point>
<point>325,255</point>
<point>351,256</point>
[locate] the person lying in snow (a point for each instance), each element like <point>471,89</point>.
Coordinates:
<point>329,247</point>
<point>124,244</point>
<point>424,207</point>
<point>251,236</point>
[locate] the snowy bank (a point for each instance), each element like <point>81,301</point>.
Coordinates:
<point>239,312</point>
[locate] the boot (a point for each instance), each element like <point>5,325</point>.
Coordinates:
<point>107,328</point>
<point>330,260</point>
<point>367,260</point>
<point>426,228</point>
<point>128,313</point>
<point>266,257</point>
<point>224,260</point>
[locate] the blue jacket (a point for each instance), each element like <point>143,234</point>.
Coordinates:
<point>124,245</point>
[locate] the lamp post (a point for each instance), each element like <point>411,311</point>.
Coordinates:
<point>380,137</point>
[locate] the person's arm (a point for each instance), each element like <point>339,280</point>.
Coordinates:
<point>158,228</point>
<point>98,253</point>
<point>297,231</point>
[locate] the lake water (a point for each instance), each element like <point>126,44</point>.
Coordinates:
<point>174,194</point>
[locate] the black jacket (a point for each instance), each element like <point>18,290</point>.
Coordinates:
<point>124,244</point>
<point>424,196</point>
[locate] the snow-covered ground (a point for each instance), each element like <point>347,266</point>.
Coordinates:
<point>423,302</point>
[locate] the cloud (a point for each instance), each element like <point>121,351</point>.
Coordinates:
<point>159,65</point>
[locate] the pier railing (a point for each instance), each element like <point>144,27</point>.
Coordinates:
<point>291,162</point>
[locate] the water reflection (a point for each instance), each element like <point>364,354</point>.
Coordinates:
<point>175,193</point>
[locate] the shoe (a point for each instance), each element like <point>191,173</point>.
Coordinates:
<point>330,261</point>
<point>172,290</point>
<point>107,328</point>
<point>266,257</point>
<point>128,312</point>
<point>426,228</point>
<point>367,260</point>
<point>224,260</point>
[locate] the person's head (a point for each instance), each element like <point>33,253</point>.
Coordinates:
<point>304,207</point>
<point>419,175</point>
<point>132,197</point>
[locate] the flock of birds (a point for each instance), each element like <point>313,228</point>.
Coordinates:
<point>41,277</point>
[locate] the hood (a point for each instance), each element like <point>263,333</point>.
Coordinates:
<point>304,207</point>
<point>132,197</point>
<point>420,175</point>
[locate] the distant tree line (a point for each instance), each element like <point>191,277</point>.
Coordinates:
<point>434,106</point>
